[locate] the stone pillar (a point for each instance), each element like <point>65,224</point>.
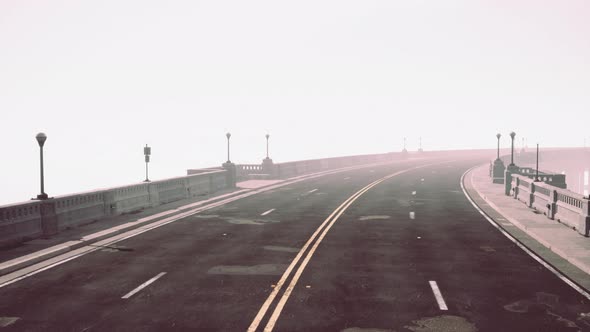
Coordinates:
<point>584,221</point>
<point>268,167</point>
<point>49,223</point>
<point>498,171</point>
<point>231,174</point>
<point>552,205</point>
<point>511,169</point>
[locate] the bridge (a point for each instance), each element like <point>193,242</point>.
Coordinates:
<point>408,241</point>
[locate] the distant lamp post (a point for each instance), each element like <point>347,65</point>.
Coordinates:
<point>228,135</point>
<point>498,135</point>
<point>147,151</point>
<point>512,135</point>
<point>537,172</point>
<point>41,138</point>
<point>267,137</point>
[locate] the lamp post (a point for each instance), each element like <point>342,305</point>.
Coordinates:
<point>228,135</point>
<point>498,135</point>
<point>537,171</point>
<point>267,137</point>
<point>41,138</point>
<point>147,151</point>
<point>512,135</point>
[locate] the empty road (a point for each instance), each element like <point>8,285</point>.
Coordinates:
<point>396,247</point>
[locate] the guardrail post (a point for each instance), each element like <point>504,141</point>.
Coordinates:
<point>552,205</point>
<point>532,194</point>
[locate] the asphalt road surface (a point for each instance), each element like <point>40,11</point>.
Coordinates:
<point>389,248</point>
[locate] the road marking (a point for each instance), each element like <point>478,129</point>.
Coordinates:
<point>30,270</point>
<point>412,215</point>
<point>312,191</point>
<point>267,212</point>
<point>313,241</point>
<point>413,193</point>
<point>144,285</point>
<point>347,178</point>
<point>438,295</point>
<point>540,260</point>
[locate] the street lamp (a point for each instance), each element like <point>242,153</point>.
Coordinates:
<point>512,135</point>
<point>498,135</point>
<point>267,137</point>
<point>41,138</point>
<point>228,135</point>
<point>147,151</point>
<point>537,173</point>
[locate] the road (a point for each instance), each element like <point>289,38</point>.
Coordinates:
<point>391,248</point>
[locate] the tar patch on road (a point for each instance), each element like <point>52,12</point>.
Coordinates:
<point>545,304</point>
<point>442,324</point>
<point>262,269</point>
<point>363,218</point>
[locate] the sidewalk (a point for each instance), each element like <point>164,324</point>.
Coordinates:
<point>511,214</point>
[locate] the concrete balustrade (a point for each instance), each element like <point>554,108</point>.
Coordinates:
<point>27,220</point>
<point>565,206</point>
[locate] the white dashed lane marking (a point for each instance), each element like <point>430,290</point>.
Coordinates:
<point>438,295</point>
<point>312,191</point>
<point>144,285</point>
<point>267,212</point>
<point>412,215</point>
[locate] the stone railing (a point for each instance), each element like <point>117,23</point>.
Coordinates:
<point>565,206</point>
<point>35,218</point>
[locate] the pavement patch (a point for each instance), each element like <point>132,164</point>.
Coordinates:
<point>358,329</point>
<point>262,269</point>
<point>363,218</point>
<point>207,216</point>
<point>278,248</point>
<point>241,221</point>
<point>7,321</point>
<point>442,324</point>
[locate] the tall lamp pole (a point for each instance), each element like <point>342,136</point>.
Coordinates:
<point>512,135</point>
<point>147,151</point>
<point>537,172</point>
<point>41,138</point>
<point>498,135</point>
<point>228,135</point>
<point>267,137</point>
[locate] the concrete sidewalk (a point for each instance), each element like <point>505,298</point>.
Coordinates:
<point>511,214</point>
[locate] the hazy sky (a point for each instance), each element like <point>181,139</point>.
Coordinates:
<point>324,78</point>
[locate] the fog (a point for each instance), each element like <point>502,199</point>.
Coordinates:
<point>323,78</point>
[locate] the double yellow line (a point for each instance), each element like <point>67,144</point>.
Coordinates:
<point>313,241</point>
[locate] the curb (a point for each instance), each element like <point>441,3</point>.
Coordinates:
<point>573,260</point>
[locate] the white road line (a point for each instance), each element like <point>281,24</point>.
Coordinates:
<point>347,178</point>
<point>540,260</point>
<point>312,191</point>
<point>413,193</point>
<point>412,215</point>
<point>267,212</point>
<point>323,228</point>
<point>438,295</point>
<point>144,285</point>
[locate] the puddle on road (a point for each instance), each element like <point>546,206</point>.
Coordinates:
<point>363,218</point>
<point>262,269</point>
<point>283,249</point>
<point>442,324</point>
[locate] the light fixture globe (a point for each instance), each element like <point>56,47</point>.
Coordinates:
<point>41,138</point>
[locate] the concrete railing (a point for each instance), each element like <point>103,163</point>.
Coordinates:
<point>35,218</point>
<point>565,206</point>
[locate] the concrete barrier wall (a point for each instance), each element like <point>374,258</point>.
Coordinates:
<point>33,219</point>
<point>563,205</point>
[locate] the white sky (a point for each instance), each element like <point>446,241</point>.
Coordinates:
<point>324,78</point>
